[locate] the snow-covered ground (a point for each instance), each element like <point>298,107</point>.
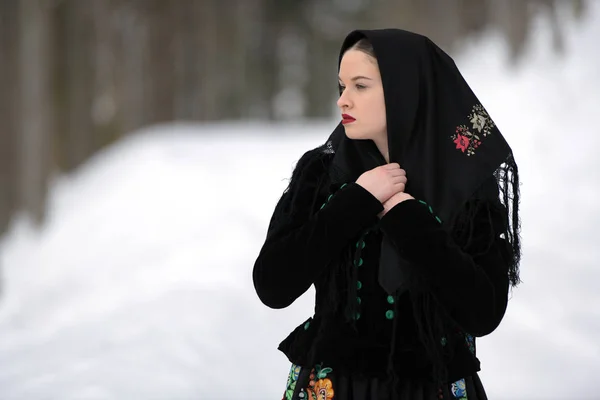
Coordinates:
<point>139,286</point>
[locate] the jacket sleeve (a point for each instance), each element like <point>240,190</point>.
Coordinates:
<point>296,252</point>
<point>473,288</point>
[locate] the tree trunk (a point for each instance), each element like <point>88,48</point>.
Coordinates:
<point>8,116</point>
<point>35,105</point>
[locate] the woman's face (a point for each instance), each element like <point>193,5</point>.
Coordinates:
<point>361,98</point>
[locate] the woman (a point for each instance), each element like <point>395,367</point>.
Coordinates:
<point>406,221</point>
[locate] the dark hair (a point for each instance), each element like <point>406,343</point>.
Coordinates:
<point>365,46</point>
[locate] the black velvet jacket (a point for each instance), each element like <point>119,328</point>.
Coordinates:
<point>472,288</point>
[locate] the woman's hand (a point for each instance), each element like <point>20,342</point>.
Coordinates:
<point>395,199</point>
<point>384,181</point>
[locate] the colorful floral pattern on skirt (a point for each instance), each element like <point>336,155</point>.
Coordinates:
<point>459,389</point>
<point>318,384</point>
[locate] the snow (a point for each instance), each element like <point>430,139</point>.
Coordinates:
<point>132,289</point>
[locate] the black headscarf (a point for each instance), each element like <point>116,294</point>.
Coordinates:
<point>443,137</point>
<point>437,130</point>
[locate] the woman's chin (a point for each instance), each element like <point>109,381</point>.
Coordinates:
<point>352,133</point>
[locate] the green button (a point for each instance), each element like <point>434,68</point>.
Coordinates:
<point>361,244</point>
<point>389,314</point>
<point>306,325</point>
<point>323,206</point>
<point>444,341</point>
<point>390,299</point>
<point>359,285</point>
<point>357,315</point>
<point>344,185</point>
<point>359,262</point>
<point>358,300</point>
<point>329,198</point>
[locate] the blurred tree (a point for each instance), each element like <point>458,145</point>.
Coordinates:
<point>34,113</point>
<point>74,47</point>
<point>8,97</point>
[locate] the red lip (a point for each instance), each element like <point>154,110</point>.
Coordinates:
<point>346,119</point>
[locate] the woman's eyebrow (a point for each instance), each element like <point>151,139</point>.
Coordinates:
<point>357,78</point>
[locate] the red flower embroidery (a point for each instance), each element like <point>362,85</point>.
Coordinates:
<point>462,142</point>
<point>468,139</point>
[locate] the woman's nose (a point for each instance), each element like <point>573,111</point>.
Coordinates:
<point>343,101</point>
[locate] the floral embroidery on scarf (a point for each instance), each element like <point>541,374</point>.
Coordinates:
<point>459,390</point>
<point>468,139</point>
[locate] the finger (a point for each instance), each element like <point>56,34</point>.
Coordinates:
<point>392,166</point>
<point>399,187</point>
<point>399,179</point>
<point>398,172</point>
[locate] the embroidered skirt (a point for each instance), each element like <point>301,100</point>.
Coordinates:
<point>321,383</point>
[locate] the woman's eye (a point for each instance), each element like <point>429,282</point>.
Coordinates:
<point>358,86</point>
